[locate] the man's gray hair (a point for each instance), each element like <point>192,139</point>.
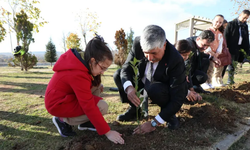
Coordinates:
<point>152,37</point>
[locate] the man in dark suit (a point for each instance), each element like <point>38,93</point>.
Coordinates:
<point>168,87</point>
<point>200,61</point>
<point>237,37</point>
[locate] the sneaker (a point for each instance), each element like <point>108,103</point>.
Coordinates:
<point>230,82</point>
<point>211,86</point>
<point>219,85</point>
<point>199,89</point>
<point>205,86</point>
<point>246,60</point>
<point>63,128</point>
<point>86,126</point>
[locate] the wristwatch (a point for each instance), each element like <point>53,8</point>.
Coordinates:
<point>153,123</point>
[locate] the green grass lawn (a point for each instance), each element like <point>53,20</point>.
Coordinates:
<point>24,121</point>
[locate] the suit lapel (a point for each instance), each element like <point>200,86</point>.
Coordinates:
<point>161,68</point>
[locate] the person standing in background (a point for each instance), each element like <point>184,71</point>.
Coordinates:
<point>237,37</point>
<point>215,49</point>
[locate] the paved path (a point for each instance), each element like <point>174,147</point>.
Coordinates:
<point>228,141</point>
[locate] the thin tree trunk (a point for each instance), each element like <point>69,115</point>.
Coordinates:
<point>85,41</point>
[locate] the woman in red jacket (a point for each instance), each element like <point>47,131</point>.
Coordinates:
<point>69,97</point>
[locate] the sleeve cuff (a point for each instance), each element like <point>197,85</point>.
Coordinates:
<point>211,57</point>
<point>188,92</point>
<point>159,119</point>
<point>127,84</point>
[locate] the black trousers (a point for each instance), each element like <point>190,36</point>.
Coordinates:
<point>118,82</point>
<point>200,75</point>
<point>157,92</point>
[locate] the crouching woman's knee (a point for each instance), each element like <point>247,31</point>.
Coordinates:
<point>103,107</point>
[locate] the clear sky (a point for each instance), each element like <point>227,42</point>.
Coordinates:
<point>117,14</point>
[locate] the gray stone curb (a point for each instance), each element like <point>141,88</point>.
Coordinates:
<point>229,140</point>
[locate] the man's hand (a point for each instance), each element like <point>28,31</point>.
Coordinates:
<point>187,79</point>
<point>144,128</point>
<point>131,93</point>
<point>199,98</point>
<point>193,96</point>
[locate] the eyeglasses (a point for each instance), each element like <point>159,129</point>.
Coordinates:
<point>102,68</point>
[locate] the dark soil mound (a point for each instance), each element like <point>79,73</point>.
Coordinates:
<point>240,93</point>
<point>195,121</point>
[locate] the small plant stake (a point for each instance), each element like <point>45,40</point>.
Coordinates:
<point>134,65</point>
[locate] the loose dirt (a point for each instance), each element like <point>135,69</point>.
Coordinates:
<point>200,124</point>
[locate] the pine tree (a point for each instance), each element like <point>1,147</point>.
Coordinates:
<point>130,39</point>
<point>50,55</point>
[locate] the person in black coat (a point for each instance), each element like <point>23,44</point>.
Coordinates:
<point>168,87</point>
<point>200,61</point>
<point>184,48</point>
<point>237,37</point>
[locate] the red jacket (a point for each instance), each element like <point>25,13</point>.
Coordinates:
<point>68,93</point>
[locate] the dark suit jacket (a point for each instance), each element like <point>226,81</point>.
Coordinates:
<point>170,71</point>
<point>196,60</point>
<point>231,34</point>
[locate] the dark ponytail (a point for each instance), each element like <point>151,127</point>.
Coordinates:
<point>97,49</point>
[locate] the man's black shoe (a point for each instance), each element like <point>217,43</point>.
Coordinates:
<point>86,126</point>
<point>173,123</point>
<point>129,115</point>
<point>63,128</point>
<point>246,60</point>
<point>199,89</point>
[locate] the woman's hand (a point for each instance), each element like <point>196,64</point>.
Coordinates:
<point>216,61</point>
<point>101,88</point>
<point>115,137</point>
<point>216,55</point>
